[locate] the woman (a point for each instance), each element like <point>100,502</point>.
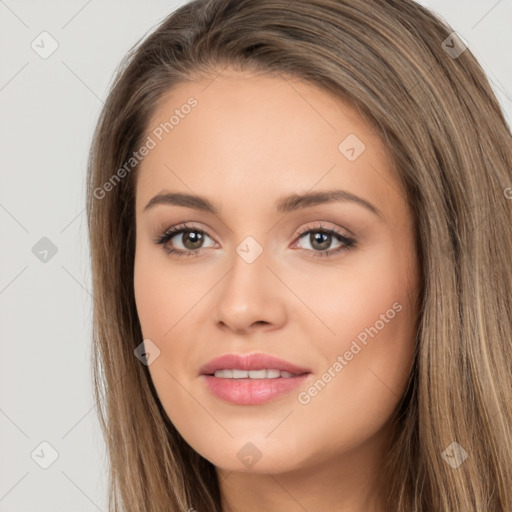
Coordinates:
<point>299,218</point>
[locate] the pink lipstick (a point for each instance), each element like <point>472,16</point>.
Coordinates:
<point>252,379</point>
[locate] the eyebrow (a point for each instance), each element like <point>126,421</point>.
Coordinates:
<point>283,205</point>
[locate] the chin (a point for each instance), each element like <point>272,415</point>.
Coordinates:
<point>253,454</point>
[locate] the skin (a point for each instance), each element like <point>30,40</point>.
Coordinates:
<point>251,140</point>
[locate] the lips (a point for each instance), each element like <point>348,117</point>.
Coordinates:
<point>250,362</point>
<point>252,379</point>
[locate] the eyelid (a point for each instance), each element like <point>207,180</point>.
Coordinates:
<point>348,240</point>
<point>176,230</point>
<point>310,226</point>
<point>322,227</point>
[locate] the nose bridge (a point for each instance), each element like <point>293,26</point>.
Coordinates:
<point>247,279</point>
<point>248,294</point>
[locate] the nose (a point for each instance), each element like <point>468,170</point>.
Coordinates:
<point>250,297</point>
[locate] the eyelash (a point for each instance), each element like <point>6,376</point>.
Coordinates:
<point>347,242</point>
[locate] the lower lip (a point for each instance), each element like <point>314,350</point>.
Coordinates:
<point>252,391</point>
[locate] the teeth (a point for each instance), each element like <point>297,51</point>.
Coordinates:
<point>252,374</point>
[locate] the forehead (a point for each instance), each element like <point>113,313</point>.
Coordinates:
<point>248,137</point>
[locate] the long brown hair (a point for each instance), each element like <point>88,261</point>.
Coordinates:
<point>429,99</point>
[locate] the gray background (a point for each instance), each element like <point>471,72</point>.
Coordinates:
<point>48,111</point>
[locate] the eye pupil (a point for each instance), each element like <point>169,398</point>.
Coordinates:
<point>194,237</point>
<point>324,240</point>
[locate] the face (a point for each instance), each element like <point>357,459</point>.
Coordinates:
<point>271,263</point>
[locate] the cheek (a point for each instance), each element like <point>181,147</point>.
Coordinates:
<point>162,294</point>
<point>163,297</point>
<point>365,377</point>
<point>152,299</point>
<point>368,297</point>
<point>368,360</point>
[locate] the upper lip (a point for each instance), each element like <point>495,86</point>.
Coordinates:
<point>258,361</point>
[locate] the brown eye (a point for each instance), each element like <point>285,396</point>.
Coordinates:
<point>183,240</point>
<point>321,239</point>
<point>192,239</point>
